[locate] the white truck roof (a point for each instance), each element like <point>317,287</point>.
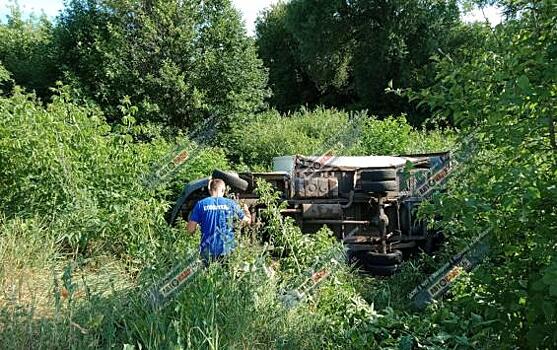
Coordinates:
<point>287,163</point>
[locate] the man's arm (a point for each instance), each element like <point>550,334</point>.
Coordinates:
<point>247,215</point>
<point>192,226</point>
<point>195,218</point>
<point>242,213</point>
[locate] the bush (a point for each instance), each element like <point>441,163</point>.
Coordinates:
<point>316,132</point>
<point>4,74</point>
<point>65,163</point>
<point>272,135</point>
<point>388,136</point>
<point>504,97</point>
<point>28,53</point>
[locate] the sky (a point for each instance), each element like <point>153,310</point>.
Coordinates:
<point>249,9</point>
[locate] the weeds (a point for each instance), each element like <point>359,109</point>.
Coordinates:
<point>82,241</point>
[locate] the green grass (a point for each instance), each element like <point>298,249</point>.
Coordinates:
<point>82,239</point>
<point>55,301</point>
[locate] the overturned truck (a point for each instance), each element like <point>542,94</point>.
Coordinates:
<point>369,202</point>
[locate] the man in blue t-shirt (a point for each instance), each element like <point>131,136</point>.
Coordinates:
<point>215,215</point>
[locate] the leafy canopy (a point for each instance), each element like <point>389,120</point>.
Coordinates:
<point>504,97</point>
<point>345,53</point>
<point>179,61</point>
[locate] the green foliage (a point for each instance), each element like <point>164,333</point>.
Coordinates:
<point>391,135</point>
<point>345,54</point>
<point>95,304</point>
<point>272,134</point>
<point>321,130</point>
<point>179,62</point>
<point>101,206</point>
<point>277,47</point>
<point>298,251</point>
<point>70,182</point>
<point>4,74</point>
<point>27,52</point>
<point>504,97</point>
<point>541,311</point>
<point>65,163</point>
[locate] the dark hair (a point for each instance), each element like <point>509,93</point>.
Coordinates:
<point>215,184</point>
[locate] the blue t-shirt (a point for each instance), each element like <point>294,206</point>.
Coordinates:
<point>215,216</point>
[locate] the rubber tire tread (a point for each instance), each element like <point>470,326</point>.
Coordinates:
<point>374,258</point>
<point>380,186</point>
<point>378,175</point>
<point>231,179</point>
<point>381,270</point>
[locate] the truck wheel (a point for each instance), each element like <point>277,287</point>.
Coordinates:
<point>231,179</point>
<point>374,258</point>
<point>381,270</point>
<point>380,186</point>
<point>368,257</point>
<point>250,180</point>
<point>378,175</point>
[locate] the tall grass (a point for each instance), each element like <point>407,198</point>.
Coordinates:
<point>82,239</point>
<point>96,303</point>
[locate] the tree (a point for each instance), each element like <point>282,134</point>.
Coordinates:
<point>394,43</point>
<point>178,61</point>
<point>504,97</point>
<point>352,50</point>
<point>27,52</point>
<point>277,47</point>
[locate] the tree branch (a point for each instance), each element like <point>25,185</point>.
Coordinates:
<point>552,132</point>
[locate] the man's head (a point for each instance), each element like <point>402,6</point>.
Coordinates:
<point>216,187</point>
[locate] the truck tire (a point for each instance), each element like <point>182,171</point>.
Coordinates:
<point>374,258</point>
<point>231,179</point>
<point>368,257</point>
<point>381,270</point>
<point>248,177</point>
<point>378,175</point>
<point>380,186</point>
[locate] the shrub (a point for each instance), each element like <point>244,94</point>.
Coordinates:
<point>504,99</point>
<point>316,132</point>
<point>272,135</point>
<point>4,74</point>
<point>65,163</point>
<point>28,53</point>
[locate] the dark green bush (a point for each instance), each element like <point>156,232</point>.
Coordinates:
<point>344,54</point>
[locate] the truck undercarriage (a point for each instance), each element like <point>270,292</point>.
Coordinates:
<point>368,202</point>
